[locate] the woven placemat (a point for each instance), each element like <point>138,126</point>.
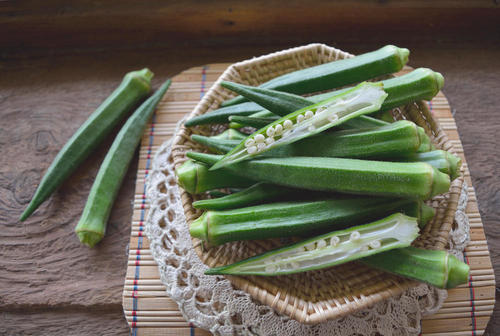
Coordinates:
<point>149,312</point>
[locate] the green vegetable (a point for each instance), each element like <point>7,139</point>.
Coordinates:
<point>195,178</point>
<point>255,122</point>
<point>386,60</point>
<point>442,160</point>
<point>384,115</point>
<point>220,116</point>
<point>330,249</point>
<point>364,98</point>
<point>420,84</point>
<point>92,225</point>
<point>395,140</point>
<point>426,144</point>
<point>438,268</point>
<point>255,194</point>
<point>288,219</point>
<point>230,134</point>
<point>216,194</point>
<point>404,179</point>
<point>362,121</point>
<point>134,87</point>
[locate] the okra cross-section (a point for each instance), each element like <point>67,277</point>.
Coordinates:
<point>362,99</point>
<point>330,249</point>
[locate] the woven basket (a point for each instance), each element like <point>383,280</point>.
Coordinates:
<point>314,296</point>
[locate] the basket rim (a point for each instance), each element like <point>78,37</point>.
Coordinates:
<point>282,301</point>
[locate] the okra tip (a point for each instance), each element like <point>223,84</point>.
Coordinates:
<point>198,228</point>
<point>439,80</point>
<point>426,214</point>
<point>145,75</point>
<point>89,238</point>
<point>455,165</point>
<point>440,183</point>
<point>402,53</point>
<point>458,272</point>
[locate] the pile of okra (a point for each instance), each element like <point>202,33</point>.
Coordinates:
<point>333,169</point>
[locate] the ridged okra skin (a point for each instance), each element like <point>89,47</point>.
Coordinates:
<point>299,218</point>
<point>400,179</point>
<point>220,116</point>
<point>386,60</point>
<point>330,249</point>
<point>230,134</point>
<point>438,268</point>
<point>256,122</point>
<point>391,140</point>
<point>195,178</point>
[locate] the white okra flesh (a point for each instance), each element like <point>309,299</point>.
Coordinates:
<point>364,98</point>
<point>331,249</point>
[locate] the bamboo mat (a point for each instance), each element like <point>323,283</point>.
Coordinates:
<point>150,312</point>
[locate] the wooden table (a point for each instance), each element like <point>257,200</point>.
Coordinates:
<point>50,284</point>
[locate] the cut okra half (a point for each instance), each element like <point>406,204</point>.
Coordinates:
<point>330,249</point>
<point>364,98</point>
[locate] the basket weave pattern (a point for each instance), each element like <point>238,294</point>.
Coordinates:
<point>314,296</point>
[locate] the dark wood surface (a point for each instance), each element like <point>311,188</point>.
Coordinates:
<point>50,284</point>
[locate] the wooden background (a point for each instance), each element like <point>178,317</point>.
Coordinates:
<point>59,61</point>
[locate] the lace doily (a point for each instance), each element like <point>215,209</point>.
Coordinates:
<point>210,302</point>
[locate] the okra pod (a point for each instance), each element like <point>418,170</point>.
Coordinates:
<point>442,160</point>
<point>364,98</point>
<point>362,121</point>
<point>230,134</point>
<point>134,87</point>
<point>438,268</point>
<point>390,141</point>
<point>330,249</point>
<point>92,224</point>
<point>386,60</point>
<point>256,122</point>
<point>221,115</point>
<point>402,179</point>
<point>195,178</point>
<point>298,218</point>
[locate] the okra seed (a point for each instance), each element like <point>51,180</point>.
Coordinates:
<point>288,124</point>
<point>321,243</point>
<point>334,241</point>
<point>300,118</point>
<point>309,114</point>
<point>261,146</point>
<point>259,138</point>
<point>375,244</point>
<point>355,236</point>
<point>278,129</point>
<point>270,131</point>
<point>269,140</point>
<point>249,142</point>
<point>333,118</point>
<point>252,149</point>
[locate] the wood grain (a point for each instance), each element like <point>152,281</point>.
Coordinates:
<point>48,278</point>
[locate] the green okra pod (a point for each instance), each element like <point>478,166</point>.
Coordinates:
<point>362,121</point>
<point>135,86</point>
<point>220,116</point>
<point>389,141</point>
<point>195,178</point>
<point>312,120</point>
<point>297,218</point>
<point>256,122</point>
<point>230,134</point>
<point>331,249</point>
<point>442,160</point>
<point>92,224</point>
<point>401,179</point>
<point>438,268</point>
<point>386,60</point>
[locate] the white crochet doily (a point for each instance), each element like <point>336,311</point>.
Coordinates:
<point>210,302</point>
